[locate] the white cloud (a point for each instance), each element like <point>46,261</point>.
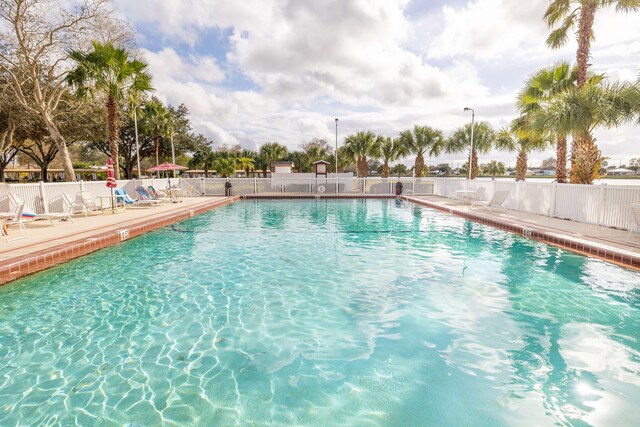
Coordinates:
<point>364,61</point>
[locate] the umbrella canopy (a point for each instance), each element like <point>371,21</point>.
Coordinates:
<point>111,180</point>
<point>166,167</point>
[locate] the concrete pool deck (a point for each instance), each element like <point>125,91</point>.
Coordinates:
<point>588,239</point>
<point>48,246</point>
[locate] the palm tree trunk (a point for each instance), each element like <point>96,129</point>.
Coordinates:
<point>561,159</point>
<point>419,166</point>
<point>521,166</point>
<point>206,171</point>
<point>61,144</point>
<point>585,159</point>
<point>385,170</point>
<point>585,32</point>
<point>362,167</point>
<point>474,164</point>
<point>112,120</point>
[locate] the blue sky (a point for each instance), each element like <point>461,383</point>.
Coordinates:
<point>260,71</point>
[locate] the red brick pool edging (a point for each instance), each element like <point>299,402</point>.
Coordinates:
<point>555,238</point>
<point>25,265</point>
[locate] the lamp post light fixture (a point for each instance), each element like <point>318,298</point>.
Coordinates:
<point>473,116</point>
<point>336,155</point>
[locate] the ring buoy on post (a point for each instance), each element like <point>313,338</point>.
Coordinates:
<point>321,189</point>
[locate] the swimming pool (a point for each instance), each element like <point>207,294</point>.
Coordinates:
<point>323,312</point>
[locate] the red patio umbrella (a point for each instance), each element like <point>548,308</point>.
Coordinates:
<point>166,166</point>
<point>111,179</point>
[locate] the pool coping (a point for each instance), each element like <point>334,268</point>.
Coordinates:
<point>22,266</point>
<point>551,236</point>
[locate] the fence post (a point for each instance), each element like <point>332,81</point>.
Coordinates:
<point>81,185</point>
<point>43,198</point>
<point>201,186</point>
<point>337,183</point>
<point>255,185</point>
<point>554,194</point>
<point>364,185</point>
<point>518,183</point>
<point>601,203</point>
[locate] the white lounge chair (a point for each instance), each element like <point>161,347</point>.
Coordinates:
<point>83,203</point>
<point>14,218</point>
<point>51,216</point>
<point>635,228</point>
<point>496,201</point>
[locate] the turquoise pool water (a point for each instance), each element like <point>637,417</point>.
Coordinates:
<point>346,312</point>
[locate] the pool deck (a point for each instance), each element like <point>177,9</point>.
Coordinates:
<point>591,240</point>
<point>48,246</point>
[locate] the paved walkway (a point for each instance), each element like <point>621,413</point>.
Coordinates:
<point>602,242</point>
<point>49,245</point>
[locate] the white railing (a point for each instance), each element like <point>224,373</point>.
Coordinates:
<point>605,205</point>
<point>301,186</point>
<point>45,197</point>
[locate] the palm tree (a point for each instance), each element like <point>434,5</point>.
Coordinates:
<point>579,112</point>
<point>246,164</point>
<point>205,157</point>
<point>563,15</point>
<point>109,71</point>
<point>224,166</point>
<point>543,85</point>
<point>494,168</point>
<point>390,151</point>
<point>157,123</point>
<point>272,152</point>
<point>361,147</point>
<point>423,140</point>
<point>521,138</point>
<point>483,138</point>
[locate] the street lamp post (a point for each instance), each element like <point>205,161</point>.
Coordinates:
<point>173,153</point>
<point>336,154</point>
<point>473,116</point>
<point>135,124</point>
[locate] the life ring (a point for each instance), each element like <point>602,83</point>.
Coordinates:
<point>321,189</point>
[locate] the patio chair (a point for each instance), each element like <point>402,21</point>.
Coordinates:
<point>14,218</point>
<point>161,195</point>
<point>83,203</point>
<point>129,201</point>
<point>51,216</point>
<point>635,228</point>
<point>143,194</point>
<point>496,201</point>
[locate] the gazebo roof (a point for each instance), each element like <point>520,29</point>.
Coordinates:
<point>321,161</point>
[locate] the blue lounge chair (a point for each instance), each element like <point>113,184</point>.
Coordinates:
<point>129,201</point>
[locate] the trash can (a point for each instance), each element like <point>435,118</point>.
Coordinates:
<point>227,189</point>
<point>398,188</point>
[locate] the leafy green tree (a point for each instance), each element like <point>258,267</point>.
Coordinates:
<point>246,164</point>
<point>362,147</point>
<point>272,152</point>
<point>493,168</point>
<point>519,137</point>
<point>204,157</point>
<point>579,112</point>
<point>224,166</point>
<point>157,123</point>
<point>460,140</point>
<point>423,140</point>
<point>390,151</point>
<point>565,15</point>
<point>109,71</point>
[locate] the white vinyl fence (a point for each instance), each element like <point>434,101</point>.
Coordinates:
<point>605,205</point>
<point>300,186</point>
<point>47,197</point>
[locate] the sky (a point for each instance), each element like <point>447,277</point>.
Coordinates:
<point>256,71</point>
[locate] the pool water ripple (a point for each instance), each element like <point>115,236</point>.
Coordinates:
<point>339,312</point>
